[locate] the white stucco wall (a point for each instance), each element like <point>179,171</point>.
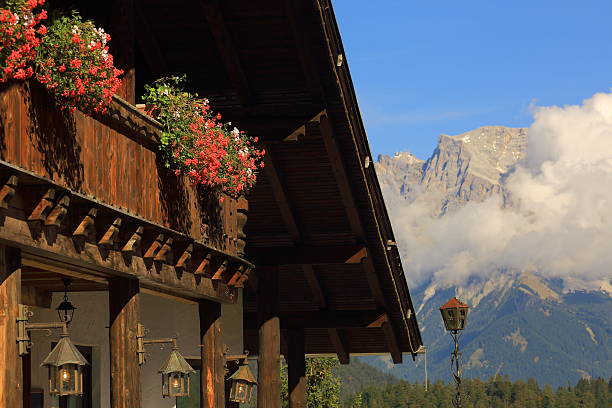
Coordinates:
<point>161,316</point>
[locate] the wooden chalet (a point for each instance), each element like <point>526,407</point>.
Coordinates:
<point>305,265</point>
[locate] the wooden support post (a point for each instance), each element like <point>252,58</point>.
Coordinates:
<point>296,362</point>
<point>124,311</point>
<point>212,387</point>
<point>124,39</point>
<point>268,375</point>
<point>11,381</point>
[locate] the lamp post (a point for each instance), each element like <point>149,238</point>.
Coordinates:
<point>454,314</point>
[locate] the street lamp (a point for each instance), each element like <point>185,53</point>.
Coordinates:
<point>454,314</point>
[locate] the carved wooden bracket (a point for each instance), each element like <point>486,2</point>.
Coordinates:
<point>110,236</point>
<point>185,259</point>
<point>165,252</point>
<point>8,192</point>
<point>218,275</point>
<point>87,228</point>
<point>44,206</point>
<point>155,246</point>
<point>133,245</point>
<point>203,267</point>
<point>58,213</point>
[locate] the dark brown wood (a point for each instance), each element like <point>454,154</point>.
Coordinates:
<point>132,247</point>
<point>154,247</point>
<point>109,238</point>
<point>212,387</point>
<point>165,252</point>
<point>7,192</point>
<point>391,340</point>
<point>225,46</point>
<point>325,319</point>
<point>57,214</point>
<point>33,296</point>
<point>124,314</point>
<point>233,281</point>
<point>300,255</point>
<point>296,368</point>
<point>268,375</point>
<point>44,206</point>
<point>122,31</point>
<point>203,268</point>
<point>11,384</point>
<point>87,228</point>
<point>26,368</point>
<point>373,282</point>
<point>346,192</point>
<point>218,275</point>
<point>315,286</point>
<point>280,195</point>
<point>336,337</point>
<point>185,258</point>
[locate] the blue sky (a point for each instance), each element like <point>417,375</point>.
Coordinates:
<point>421,68</point>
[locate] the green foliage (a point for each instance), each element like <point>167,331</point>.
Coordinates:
<point>322,385</point>
<point>497,392</point>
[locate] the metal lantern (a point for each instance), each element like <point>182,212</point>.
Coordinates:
<point>454,314</point>
<point>243,382</point>
<point>66,309</point>
<point>65,364</point>
<point>175,375</point>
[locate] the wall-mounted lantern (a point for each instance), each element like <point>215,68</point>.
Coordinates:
<point>243,383</point>
<point>66,309</point>
<point>175,375</point>
<point>175,372</point>
<point>65,362</point>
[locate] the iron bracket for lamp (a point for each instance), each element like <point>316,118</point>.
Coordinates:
<point>141,333</point>
<point>24,343</point>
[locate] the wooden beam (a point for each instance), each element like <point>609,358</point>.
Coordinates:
<point>315,286</point>
<point>203,268</point>
<point>337,340</point>
<point>86,230</point>
<point>124,315</point>
<point>391,340</point>
<point>212,387</point>
<point>373,281</point>
<point>268,375</point>
<point>296,368</point>
<point>233,281</point>
<point>57,214</point>
<point>149,44</point>
<point>225,46</point>
<point>32,296</point>
<point>297,12</point>
<point>165,252</point>
<point>344,185</point>
<point>218,275</point>
<point>89,261</point>
<point>154,247</point>
<point>300,255</point>
<point>132,246</point>
<point>11,385</point>
<point>326,319</point>
<point>281,197</point>
<point>43,207</point>
<point>185,259</point>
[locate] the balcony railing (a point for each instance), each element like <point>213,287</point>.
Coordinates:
<point>112,159</point>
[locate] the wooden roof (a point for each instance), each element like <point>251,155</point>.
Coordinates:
<point>277,69</point>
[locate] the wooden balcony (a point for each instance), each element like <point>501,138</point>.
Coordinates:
<point>112,160</point>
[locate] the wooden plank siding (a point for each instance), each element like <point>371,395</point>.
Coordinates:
<point>113,160</point>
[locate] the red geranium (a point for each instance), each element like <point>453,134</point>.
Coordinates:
<point>20,36</point>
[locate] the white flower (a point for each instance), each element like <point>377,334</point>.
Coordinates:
<point>17,18</point>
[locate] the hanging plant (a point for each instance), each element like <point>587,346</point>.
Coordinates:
<point>195,142</point>
<point>75,65</point>
<point>20,36</point>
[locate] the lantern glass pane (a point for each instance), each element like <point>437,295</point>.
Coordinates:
<point>165,383</point>
<point>53,376</point>
<point>67,378</point>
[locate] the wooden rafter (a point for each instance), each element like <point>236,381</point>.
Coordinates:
<point>148,43</point>
<point>280,195</point>
<point>110,236</point>
<point>86,229</point>
<point>225,45</point>
<point>300,255</point>
<point>7,192</point>
<point>391,340</point>
<point>346,192</point>
<point>296,11</point>
<point>315,286</point>
<point>337,340</point>
<point>327,319</point>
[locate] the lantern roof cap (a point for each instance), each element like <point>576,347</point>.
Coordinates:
<point>176,363</point>
<point>244,373</point>
<point>64,352</point>
<point>453,303</point>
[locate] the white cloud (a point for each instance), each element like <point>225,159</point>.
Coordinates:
<point>561,225</point>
